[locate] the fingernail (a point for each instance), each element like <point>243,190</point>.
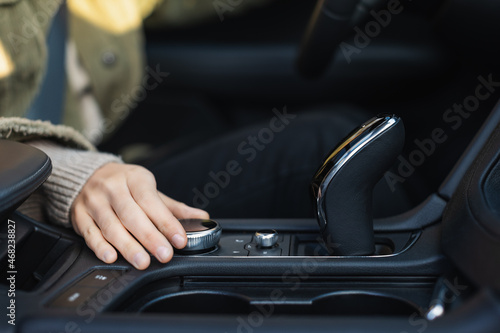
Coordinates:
<point>178,241</point>
<point>140,259</point>
<point>163,254</point>
<point>202,213</point>
<point>107,257</point>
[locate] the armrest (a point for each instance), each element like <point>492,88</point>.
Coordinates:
<point>22,170</point>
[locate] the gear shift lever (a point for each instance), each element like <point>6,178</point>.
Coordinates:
<point>343,185</point>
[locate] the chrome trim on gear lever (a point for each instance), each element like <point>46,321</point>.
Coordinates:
<point>355,141</point>
<point>343,153</point>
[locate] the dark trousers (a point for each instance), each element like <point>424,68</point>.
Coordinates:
<point>259,172</point>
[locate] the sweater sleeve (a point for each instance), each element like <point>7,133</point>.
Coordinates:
<point>71,168</point>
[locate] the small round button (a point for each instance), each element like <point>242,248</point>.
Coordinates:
<point>202,235</point>
<point>108,58</point>
<point>266,238</point>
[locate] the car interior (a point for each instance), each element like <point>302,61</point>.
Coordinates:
<point>422,76</point>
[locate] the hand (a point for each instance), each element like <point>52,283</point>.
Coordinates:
<point>120,202</point>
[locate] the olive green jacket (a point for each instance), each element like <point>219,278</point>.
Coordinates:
<point>108,37</point>
<point>110,43</point>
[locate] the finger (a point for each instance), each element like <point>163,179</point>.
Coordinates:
<point>115,233</point>
<point>139,224</point>
<point>85,226</point>
<point>181,210</point>
<point>148,199</point>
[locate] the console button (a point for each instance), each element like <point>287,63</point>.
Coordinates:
<point>74,297</point>
<point>266,238</point>
<point>235,241</point>
<point>255,251</point>
<point>202,235</point>
<point>100,278</point>
<point>232,252</point>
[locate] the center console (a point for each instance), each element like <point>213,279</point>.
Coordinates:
<point>245,278</point>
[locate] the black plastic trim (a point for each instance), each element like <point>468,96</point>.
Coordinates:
<point>22,170</point>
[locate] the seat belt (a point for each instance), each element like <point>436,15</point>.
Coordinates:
<point>49,103</point>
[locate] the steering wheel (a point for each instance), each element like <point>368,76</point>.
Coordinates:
<point>330,23</point>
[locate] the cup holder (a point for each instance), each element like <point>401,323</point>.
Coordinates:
<point>199,303</point>
<point>334,304</point>
<point>362,304</point>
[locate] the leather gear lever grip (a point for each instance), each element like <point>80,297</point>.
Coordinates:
<point>343,185</point>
